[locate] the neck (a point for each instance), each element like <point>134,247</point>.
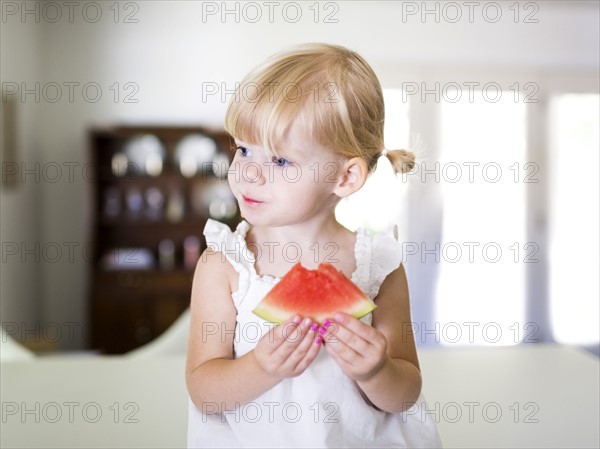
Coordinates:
<point>319,228</point>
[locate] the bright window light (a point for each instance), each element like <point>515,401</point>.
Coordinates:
<point>574,223</point>
<point>380,202</point>
<point>480,295</point>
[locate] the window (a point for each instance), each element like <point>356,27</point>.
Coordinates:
<point>574,223</point>
<point>474,292</point>
<point>480,296</point>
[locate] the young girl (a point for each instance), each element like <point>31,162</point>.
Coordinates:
<point>308,129</point>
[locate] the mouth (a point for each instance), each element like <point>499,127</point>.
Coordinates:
<point>250,200</point>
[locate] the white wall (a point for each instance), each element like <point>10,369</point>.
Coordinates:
<point>170,52</point>
<point>20,218</point>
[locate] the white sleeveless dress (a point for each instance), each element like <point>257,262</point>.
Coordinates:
<point>321,408</point>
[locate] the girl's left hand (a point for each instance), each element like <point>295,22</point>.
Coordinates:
<point>360,350</point>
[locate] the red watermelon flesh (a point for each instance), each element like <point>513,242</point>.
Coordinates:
<point>317,294</point>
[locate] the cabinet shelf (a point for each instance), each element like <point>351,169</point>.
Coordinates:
<point>131,211</point>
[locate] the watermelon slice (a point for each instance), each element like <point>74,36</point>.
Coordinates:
<point>317,294</point>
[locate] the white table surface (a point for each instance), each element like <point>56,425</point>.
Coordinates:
<point>557,386</point>
<point>554,387</point>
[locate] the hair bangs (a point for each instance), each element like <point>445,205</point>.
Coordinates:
<point>264,109</point>
<point>327,92</point>
<point>251,117</point>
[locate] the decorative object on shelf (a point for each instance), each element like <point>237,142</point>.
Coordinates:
<point>128,259</point>
<point>112,202</point>
<point>166,254</point>
<point>191,252</point>
<point>213,198</point>
<point>119,165</point>
<point>135,202</point>
<point>222,209</point>
<point>146,154</point>
<point>155,201</point>
<point>194,153</point>
<point>221,202</point>
<point>175,206</point>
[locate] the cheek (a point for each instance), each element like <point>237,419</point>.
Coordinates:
<point>293,174</point>
<point>299,192</point>
<point>231,177</point>
<point>329,171</point>
<point>234,172</point>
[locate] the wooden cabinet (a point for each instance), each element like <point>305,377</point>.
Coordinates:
<point>154,189</point>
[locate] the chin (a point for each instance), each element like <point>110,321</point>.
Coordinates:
<point>256,219</point>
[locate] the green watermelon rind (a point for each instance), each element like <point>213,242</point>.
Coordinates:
<point>365,307</point>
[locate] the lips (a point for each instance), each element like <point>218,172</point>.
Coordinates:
<point>250,200</point>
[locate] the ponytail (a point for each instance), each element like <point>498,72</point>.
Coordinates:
<point>402,161</point>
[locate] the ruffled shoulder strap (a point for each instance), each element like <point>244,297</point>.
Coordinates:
<point>232,245</point>
<point>377,256</point>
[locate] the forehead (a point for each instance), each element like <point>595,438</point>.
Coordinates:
<point>301,142</point>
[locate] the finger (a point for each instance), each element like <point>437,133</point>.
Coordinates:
<point>292,337</point>
<point>280,333</point>
<point>301,348</point>
<point>344,352</point>
<point>309,347</point>
<point>309,338</point>
<point>342,363</point>
<point>334,331</point>
<point>363,330</point>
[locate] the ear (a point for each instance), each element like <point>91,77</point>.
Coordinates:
<point>351,177</point>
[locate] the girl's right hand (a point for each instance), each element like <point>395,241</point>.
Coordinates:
<point>288,349</point>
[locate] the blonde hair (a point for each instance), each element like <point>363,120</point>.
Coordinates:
<point>328,90</point>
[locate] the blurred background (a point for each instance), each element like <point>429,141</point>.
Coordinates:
<point>104,105</point>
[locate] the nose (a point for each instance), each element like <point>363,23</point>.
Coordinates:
<point>247,172</point>
<point>252,173</point>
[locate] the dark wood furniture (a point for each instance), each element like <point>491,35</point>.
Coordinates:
<point>131,303</point>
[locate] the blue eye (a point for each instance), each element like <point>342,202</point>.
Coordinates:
<point>242,150</point>
<point>280,162</point>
